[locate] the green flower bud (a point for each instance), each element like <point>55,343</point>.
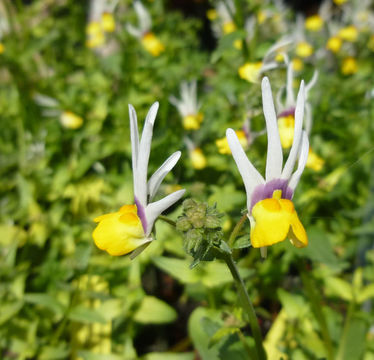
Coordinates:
<point>183,224</point>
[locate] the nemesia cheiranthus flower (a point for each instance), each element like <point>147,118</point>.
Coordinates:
<point>313,23</point>
<point>269,200</point>
<point>2,48</point>
<point>349,66</point>
<point>143,32</point>
<point>223,145</point>
<point>198,159</point>
<point>70,120</point>
<point>314,162</point>
<point>348,33</point>
<point>334,44</point>
<point>129,229</point>
<point>286,108</point>
<point>188,106</point>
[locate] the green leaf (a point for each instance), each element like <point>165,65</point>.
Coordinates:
<point>242,242</point>
<point>168,356</point>
<point>45,300</point>
<point>85,315</point>
<point>154,311</point>
<point>7,311</point>
<point>339,288</point>
<point>366,293</point>
<point>60,351</point>
<point>294,305</point>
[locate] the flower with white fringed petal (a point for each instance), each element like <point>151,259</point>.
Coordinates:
<point>271,212</point>
<point>129,229</point>
<point>286,109</point>
<point>188,105</point>
<point>143,32</point>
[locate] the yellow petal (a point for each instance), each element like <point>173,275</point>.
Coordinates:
<point>275,220</point>
<point>250,71</point>
<point>286,126</point>
<point>152,44</point>
<point>119,233</point>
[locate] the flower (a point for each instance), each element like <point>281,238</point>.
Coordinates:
<point>198,159</point>
<point>314,162</point>
<point>349,66</point>
<point>269,201</point>
<point>2,48</point>
<point>143,32</point>
<point>70,120</point>
<point>297,64</point>
<point>304,49</point>
<point>286,109</point>
<point>188,106</point>
<point>334,44</point>
<point>340,2</point>
<point>223,145</point>
<point>129,229</point>
<point>348,33</point>
<point>314,23</point>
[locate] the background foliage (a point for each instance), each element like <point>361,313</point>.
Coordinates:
<point>60,297</point>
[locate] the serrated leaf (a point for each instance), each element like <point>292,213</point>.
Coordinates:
<point>154,311</point>
<point>242,242</point>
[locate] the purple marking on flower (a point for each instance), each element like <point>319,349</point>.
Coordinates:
<point>265,191</point>
<point>141,214</point>
<point>287,112</point>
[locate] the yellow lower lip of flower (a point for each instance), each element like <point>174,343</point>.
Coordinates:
<point>193,121</point>
<point>198,159</point>
<point>297,64</point>
<point>250,71</point>
<point>349,33</point>
<point>286,127</point>
<point>314,161</point>
<point>334,44</point>
<point>107,22</point>
<point>276,220</point>
<point>340,2</point>
<point>211,14</point>
<point>70,120</point>
<point>152,44</point>
<point>223,145</point>
<point>2,48</point>
<point>121,232</point>
<point>314,23</point>
<point>349,66</point>
<point>261,17</point>
<point>229,27</point>
<point>304,49</point>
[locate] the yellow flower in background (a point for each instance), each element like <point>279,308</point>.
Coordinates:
<point>340,2</point>
<point>349,66</point>
<point>261,17</point>
<point>297,64</point>
<point>279,57</point>
<point>152,44</point>
<point>250,71</point>
<point>238,44</point>
<point>2,48</point>
<point>348,33</point>
<point>228,27</point>
<point>198,159</point>
<point>371,43</point>
<point>280,214</point>
<point>286,128</point>
<point>334,44</point>
<point>121,232</point>
<point>95,34</point>
<point>314,23</point>
<point>70,120</point>
<point>314,161</point>
<point>193,121</point>
<point>304,49</point>
<point>223,145</point>
<point>211,14</point>
<point>107,22</point>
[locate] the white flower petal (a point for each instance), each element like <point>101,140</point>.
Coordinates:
<point>311,83</point>
<point>251,177</point>
<point>303,157</point>
<point>140,187</point>
<point>290,96</point>
<point>134,135</point>
<point>274,159</point>
<point>154,210</point>
<point>299,115</point>
<point>145,20</point>
<point>156,179</point>
<point>134,31</point>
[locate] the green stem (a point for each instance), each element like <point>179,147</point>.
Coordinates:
<point>247,306</point>
<point>344,337</point>
<point>237,229</point>
<point>167,220</point>
<point>315,302</point>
